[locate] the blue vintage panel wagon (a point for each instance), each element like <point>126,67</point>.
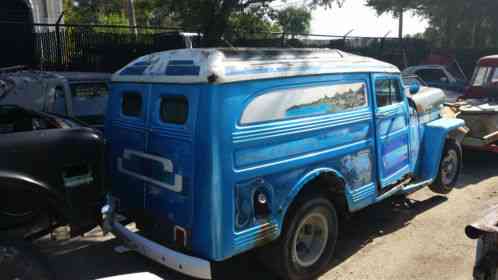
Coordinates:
<point>214,152</point>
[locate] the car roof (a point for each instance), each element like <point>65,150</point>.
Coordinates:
<point>84,76</point>
<point>491,60</point>
<point>412,69</point>
<point>222,65</point>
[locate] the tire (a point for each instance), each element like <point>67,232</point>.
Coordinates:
<point>297,259</point>
<point>449,169</point>
<point>18,209</point>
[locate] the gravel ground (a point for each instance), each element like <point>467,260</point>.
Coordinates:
<point>420,237</point>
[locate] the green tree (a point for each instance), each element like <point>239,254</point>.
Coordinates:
<point>212,17</point>
<point>294,21</point>
<point>250,24</point>
<point>453,23</point>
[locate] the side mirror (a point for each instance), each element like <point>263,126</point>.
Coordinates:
<point>414,88</point>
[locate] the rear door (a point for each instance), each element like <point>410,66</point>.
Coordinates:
<point>126,133</point>
<point>392,130</point>
<point>171,123</point>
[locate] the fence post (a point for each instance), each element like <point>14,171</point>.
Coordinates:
<point>58,38</point>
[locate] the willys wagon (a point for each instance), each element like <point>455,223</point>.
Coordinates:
<point>214,152</point>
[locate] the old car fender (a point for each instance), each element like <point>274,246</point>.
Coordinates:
<point>435,136</point>
<point>28,182</point>
<point>301,183</point>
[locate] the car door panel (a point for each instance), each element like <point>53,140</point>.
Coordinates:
<point>392,132</point>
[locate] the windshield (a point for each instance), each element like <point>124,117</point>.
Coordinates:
<point>482,76</point>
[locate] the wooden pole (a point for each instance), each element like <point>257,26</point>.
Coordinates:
<point>401,23</point>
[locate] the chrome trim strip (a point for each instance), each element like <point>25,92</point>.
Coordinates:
<point>167,165</point>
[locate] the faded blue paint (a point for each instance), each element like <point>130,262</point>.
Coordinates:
<point>433,143</point>
<point>223,163</point>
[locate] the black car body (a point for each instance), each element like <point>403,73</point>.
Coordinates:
<point>49,166</point>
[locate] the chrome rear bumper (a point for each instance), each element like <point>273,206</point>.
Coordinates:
<point>182,263</point>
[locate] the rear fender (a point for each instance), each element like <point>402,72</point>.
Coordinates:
<point>303,182</point>
<point>435,137</point>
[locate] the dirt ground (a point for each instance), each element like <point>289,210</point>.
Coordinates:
<point>421,237</point>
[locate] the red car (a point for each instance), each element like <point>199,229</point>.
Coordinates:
<point>484,83</point>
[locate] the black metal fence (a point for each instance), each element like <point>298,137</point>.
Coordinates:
<point>102,48</point>
<point>107,48</point>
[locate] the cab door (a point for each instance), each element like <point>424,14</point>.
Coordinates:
<point>392,129</point>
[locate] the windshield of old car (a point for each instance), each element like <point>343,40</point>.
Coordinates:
<point>482,76</point>
<point>89,101</point>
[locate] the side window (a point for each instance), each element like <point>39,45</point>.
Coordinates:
<point>59,106</point>
<point>174,109</point>
<point>431,75</point>
<point>494,78</point>
<point>305,102</point>
<point>388,92</point>
<point>132,104</point>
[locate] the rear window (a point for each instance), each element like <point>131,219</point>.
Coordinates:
<point>431,75</point>
<point>90,101</point>
<point>132,104</point>
<point>174,109</point>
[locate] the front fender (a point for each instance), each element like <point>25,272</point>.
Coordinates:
<point>14,179</point>
<point>308,177</point>
<point>435,136</point>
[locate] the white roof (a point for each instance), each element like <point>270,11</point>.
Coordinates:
<point>232,65</point>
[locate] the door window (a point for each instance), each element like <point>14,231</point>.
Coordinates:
<point>388,92</point>
<point>432,75</point>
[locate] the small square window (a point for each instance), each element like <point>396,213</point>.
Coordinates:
<point>132,104</point>
<point>174,109</point>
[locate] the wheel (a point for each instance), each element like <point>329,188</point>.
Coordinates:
<point>306,246</point>
<point>18,209</point>
<point>449,169</point>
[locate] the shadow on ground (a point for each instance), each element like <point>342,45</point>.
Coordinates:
<point>87,258</point>
<point>477,166</point>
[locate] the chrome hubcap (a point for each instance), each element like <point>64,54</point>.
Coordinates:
<point>449,167</point>
<point>310,239</point>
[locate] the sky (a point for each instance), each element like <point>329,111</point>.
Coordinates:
<point>364,20</point>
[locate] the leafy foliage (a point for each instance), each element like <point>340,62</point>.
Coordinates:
<point>212,18</point>
<point>453,23</point>
<point>294,20</point>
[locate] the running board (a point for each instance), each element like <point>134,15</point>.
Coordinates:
<point>404,189</point>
